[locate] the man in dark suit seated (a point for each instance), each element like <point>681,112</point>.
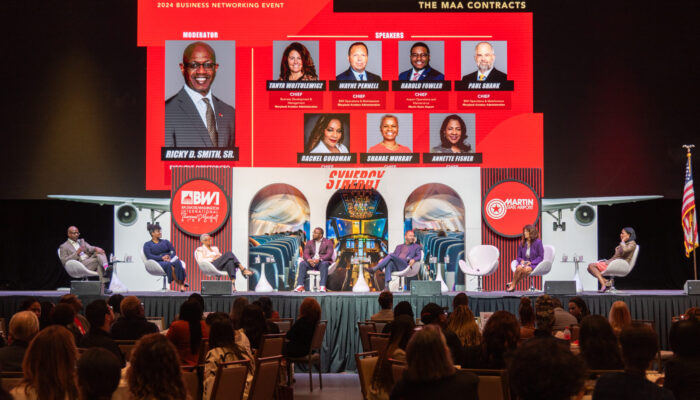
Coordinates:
<point>403,257</point>
<point>420,60</point>
<point>318,255</point>
<point>486,72</point>
<point>358,54</point>
<point>194,117</point>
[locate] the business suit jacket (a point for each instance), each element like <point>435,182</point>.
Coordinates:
<point>413,251</point>
<point>536,253</point>
<point>67,252</point>
<point>185,128</point>
<point>428,74</point>
<point>349,76</point>
<point>494,76</point>
<point>325,251</point>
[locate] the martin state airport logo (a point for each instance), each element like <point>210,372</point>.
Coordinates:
<point>510,205</point>
<point>199,206</point>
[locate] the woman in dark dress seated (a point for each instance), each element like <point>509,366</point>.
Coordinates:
<point>163,252</point>
<point>301,333</point>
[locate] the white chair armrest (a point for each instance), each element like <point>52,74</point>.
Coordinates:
<point>542,268</point>
<point>463,266</point>
<point>513,265</point>
<point>618,267</point>
<point>76,269</point>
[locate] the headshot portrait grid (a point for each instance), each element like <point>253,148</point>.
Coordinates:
<point>421,61</point>
<point>485,61</point>
<point>200,93</point>
<point>326,133</point>
<point>295,60</point>
<point>452,133</point>
<point>390,133</point>
<point>358,61</point>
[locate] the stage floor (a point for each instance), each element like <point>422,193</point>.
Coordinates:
<point>344,309</point>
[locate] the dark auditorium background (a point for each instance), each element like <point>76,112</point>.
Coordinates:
<point>615,81</point>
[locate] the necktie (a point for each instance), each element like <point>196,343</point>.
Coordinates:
<point>415,76</point>
<point>362,77</point>
<point>211,123</point>
<point>482,77</point>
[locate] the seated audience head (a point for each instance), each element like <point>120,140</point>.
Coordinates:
<point>73,301</point>
<point>221,334</point>
<point>199,299</point>
<point>99,372</point>
<point>24,325</point>
<point>236,311</point>
<point>692,312</point>
<point>253,324</point>
<point>639,346</point>
<point>463,324</point>
<point>217,316</point>
<point>402,329</point>
<point>49,365</point>
<point>401,332</point>
<point>578,308</point>
<point>619,316</point>
<point>539,370</point>
<point>427,356</point>
<point>526,313</point>
<point>598,343</point>
<point>683,338</point>
<point>46,310</point>
<point>155,370</point>
<point>31,304</point>
<point>544,313</point>
<point>266,305</point>
<point>386,300</point>
<point>191,311</point>
<point>115,302</point>
<point>310,309</point>
<point>500,336</point>
<point>99,315</point>
<point>403,308</point>
<point>63,314</point>
<point>460,299</point>
<point>131,307</point>
<point>433,314</point>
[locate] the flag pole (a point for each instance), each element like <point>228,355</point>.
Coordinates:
<point>693,226</point>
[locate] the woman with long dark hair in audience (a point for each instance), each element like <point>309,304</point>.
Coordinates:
<point>500,337</point>
<point>527,318</point>
<point>619,317</point>
<point>578,308</point>
<point>300,334</point>
<point>155,372</point>
<point>236,311</point>
<point>530,254</point>
<point>49,367</point>
<point>599,346</point>
<point>431,373</point>
<point>99,372</point>
<point>187,332</point>
<point>255,325</point>
<point>682,372</point>
<point>382,379</point>
<point>625,251</point>
<point>226,345</point>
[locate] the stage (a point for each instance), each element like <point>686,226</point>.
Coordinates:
<point>344,309</point>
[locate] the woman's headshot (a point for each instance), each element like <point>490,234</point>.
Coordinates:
<point>297,64</point>
<point>453,134</point>
<point>389,129</point>
<point>328,135</point>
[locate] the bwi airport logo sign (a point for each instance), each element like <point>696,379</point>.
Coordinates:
<point>199,206</point>
<point>510,205</point>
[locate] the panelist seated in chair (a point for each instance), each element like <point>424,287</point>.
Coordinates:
<point>92,257</point>
<point>162,251</point>
<point>625,251</point>
<point>223,262</point>
<point>530,254</point>
<point>318,256</point>
<point>404,256</point>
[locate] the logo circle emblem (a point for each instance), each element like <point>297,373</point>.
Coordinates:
<point>510,205</point>
<point>496,209</point>
<point>199,206</point>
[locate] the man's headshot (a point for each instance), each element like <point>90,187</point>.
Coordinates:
<point>358,60</point>
<point>421,70</point>
<point>485,59</point>
<point>194,117</point>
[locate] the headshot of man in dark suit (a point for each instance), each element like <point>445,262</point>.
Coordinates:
<point>194,117</point>
<point>484,56</point>
<point>420,60</point>
<point>358,54</point>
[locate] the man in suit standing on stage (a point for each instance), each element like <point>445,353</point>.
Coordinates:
<point>318,255</point>
<point>358,54</point>
<point>486,72</point>
<point>92,257</point>
<point>405,255</point>
<point>420,60</point>
<point>194,117</point>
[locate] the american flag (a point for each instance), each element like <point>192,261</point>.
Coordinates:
<point>688,214</point>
